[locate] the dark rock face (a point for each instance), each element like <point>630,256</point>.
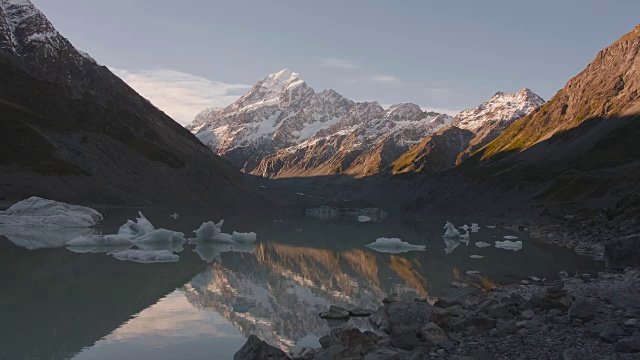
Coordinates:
<point>623,252</point>
<point>416,315</point>
<point>582,310</point>
<point>335,312</point>
<point>256,349</point>
<point>404,338</point>
<point>628,345</point>
<point>81,135</point>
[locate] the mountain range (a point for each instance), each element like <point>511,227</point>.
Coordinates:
<point>283,128</point>
<point>73,131</point>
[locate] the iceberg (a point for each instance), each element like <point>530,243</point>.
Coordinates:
<point>476,256</point>
<point>364,218</point>
<point>175,216</point>
<point>474,227</point>
<point>509,245</point>
<point>136,229</point>
<point>208,230</point>
<point>39,212</point>
<point>482,244</point>
<point>510,237</point>
<point>146,257</point>
<point>451,231</point>
<point>244,238</point>
<point>394,245</point>
<point>162,236</point>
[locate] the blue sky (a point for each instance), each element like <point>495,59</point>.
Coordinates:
<point>449,55</point>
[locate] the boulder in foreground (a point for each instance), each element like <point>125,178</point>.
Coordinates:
<point>256,349</point>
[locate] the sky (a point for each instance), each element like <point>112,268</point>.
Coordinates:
<point>189,55</point>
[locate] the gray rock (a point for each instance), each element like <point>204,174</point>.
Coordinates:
<point>433,333</point>
<point>382,354</point>
<point>415,315</point>
<point>391,299</point>
<point>404,338</point>
<point>528,314</point>
<point>325,341</point>
<point>256,349</point>
<point>500,311</point>
<point>621,299</point>
<point>335,312</point>
<point>371,335</point>
<point>631,322</point>
<point>507,327</point>
<point>571,354</point>
<point>622,252</point>
<point>380,320</point>
<point>352,339</point>
<point>631,345</point>
<point>582,310</point>
<point>335,352</point>
<point>467,297</point>
<point>612,332</point>
<point>360,312</point>
<point>546,303</point>
<point>481,323</point>
<point>555,287</point>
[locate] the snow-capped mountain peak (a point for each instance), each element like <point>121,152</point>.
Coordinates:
<point>501,107</point>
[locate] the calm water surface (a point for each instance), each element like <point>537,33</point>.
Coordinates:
<point>84,304</point>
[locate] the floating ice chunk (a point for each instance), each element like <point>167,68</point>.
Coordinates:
<point>175,247</point>
<point>482,244</point>
<point>476,256</point>
<point>394,245</point>
<point>244,238</point>
<point>42,237</point>
<point>175,216</point>
<point>510,237</point>
<point>491,226</point>
<point>509,245</point>
<point>39,212</point>
<point>451,244</point>
<point>109,250</point>
<point>473,272</point>
<point>100,240</point>
<point>451,231</point>
<point>146,257</point>
<point>301,194</point>
<point>464,227</point>
<point>474,227</point>
<point>210,251</point>
<point>364,218</point>
<point>465,235</point>
<point>162,236</point>
<point>136,229</point>
<point>208,230</point>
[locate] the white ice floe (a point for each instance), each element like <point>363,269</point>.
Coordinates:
<point>474,227</point>
<point>510,237</point>
<point>464,227</point>
<point>473,272</point>
<point>509,245</point>
<point>364,218</point>
<point>491,226</point>
<point>208,230</point>
<point>465,235</point>
<point>175,216</point>
<point>135,229</point>
<point>451,231</point>
<point>243,238</point>
<point>146,257</point>
<point>476,256</point>
<point>39,212</point>
<point>394,245</point>
<point>482,244</point>
<point>161,236</point>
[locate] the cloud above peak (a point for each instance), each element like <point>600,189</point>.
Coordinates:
<point>180,95</point>
<point>340,63</point>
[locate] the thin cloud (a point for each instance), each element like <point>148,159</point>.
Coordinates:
<point>385,79</point>
<point>340,63</point>
<point>181,95</point>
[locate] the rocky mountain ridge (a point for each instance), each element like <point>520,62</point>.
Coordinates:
<point>73,131</point>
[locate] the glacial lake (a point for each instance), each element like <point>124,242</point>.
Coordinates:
<point>87,305</point>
